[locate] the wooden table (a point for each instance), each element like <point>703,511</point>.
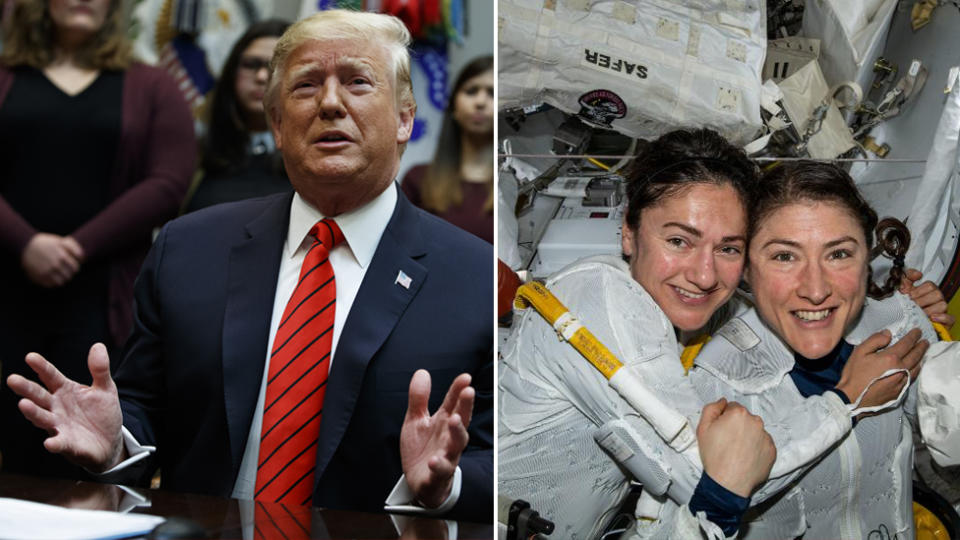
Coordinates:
<point>224,518</point>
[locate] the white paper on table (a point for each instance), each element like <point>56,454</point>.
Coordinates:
<point>25,520</point>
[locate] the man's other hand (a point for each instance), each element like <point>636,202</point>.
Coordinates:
<point>736,451</point>
<point>430,446</point>
<point>84,422</point>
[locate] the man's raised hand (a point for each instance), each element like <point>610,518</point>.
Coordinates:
<point>83,421</point>
<point>431,445</point>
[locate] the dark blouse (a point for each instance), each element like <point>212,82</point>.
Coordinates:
<point>258,178</point>
<point>57,150</point>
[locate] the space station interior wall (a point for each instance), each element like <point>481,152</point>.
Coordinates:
<point>852,34</point>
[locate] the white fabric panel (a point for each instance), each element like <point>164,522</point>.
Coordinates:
<point>853,35</point>
<point>803,91</point>
<point>655,64</point>
<point>508,228</point>
<point>938,402</point>
<point>938,197</point>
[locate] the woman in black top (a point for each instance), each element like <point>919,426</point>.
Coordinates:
<point>239,160</point>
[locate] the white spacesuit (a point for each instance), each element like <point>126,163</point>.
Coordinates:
<point>570,445</point>
<point>862,488</point>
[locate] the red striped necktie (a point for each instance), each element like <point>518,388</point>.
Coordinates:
<point>299,365</point>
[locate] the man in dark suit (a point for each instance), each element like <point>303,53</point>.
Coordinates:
<point>413,306</point>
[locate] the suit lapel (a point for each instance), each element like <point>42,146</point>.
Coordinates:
<point>251,286</point>
<point>378,306</point>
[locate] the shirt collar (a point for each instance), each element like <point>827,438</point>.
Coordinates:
<point>362,227</point>
<point>261,142</point>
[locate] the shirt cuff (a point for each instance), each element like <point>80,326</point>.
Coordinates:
<point>401,499</point>
<point>721,506</point>
<point>401,524</point>
<point>135,450</point>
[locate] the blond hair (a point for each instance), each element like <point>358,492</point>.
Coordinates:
<point>30,39</point>
<point>344,24</point>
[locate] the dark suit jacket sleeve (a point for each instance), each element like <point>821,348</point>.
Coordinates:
<point>139,371</point>
<point>476,464</point>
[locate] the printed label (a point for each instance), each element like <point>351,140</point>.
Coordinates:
<point>605,62</point>
<point>739,334</point>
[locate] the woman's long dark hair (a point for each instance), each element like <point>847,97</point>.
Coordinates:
<point>441,185</point>
<point>825,182</point>
<point>227,133</point>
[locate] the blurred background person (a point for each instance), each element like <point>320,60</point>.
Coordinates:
<point>238,156</point>
<point>96,150</point>
<point>458,185</point>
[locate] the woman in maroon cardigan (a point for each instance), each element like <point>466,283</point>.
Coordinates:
<point>95,151</point>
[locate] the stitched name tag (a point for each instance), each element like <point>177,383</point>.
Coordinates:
<point>737,332</point>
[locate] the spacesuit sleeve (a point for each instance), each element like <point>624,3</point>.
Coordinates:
<point>938,402</point>
<point>800,433</point>
<point>547,388</point>
<point>932,403</point>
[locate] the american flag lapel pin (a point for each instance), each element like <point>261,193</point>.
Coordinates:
<point>403,280</point>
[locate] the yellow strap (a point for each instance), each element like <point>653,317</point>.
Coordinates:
<point>691,351</point>
<point>942,332</point>
<point>536,295</point>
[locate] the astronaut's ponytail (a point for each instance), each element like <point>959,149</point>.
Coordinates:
<point>893,240</point>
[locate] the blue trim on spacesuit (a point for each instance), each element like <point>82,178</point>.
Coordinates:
<point>722,506</point>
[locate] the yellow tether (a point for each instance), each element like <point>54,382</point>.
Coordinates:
<point>536,295</point>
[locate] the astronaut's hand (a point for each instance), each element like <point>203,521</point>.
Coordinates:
<point>736,451</point>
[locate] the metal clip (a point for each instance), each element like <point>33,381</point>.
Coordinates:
<point>881,150</point>
<point>885,71</point>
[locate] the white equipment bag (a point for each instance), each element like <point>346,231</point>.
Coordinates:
<point>853,33</point>
<point>641,67</point>
<point>936,211</point>
<point>792,64</point>
<point>938,409</point>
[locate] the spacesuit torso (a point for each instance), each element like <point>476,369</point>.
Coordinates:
<point>862,487</point>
